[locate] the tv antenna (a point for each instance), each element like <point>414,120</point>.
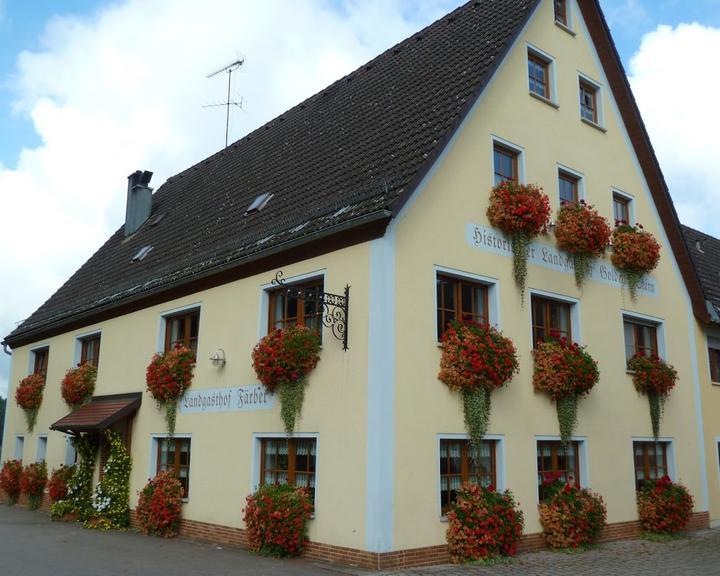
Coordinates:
<point>230,68</point>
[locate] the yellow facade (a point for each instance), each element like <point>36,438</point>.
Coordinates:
<point>378,410</point>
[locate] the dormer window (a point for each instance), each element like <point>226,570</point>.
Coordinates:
<point>144,251</point>
<point>259,203</point>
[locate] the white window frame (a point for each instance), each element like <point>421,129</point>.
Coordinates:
<point>256,450</point>
<point>575,324</point>
<point>598,100</point>
<point>41,448</point>
<point>499,440</point>
<point>31,356</point>
<point>519,150</point>
<point>561,168</point>
<point>669,440</point>
<point>79,342</point>
<point>162,323</point>
<point>155,447</point>
<point>491,283</point>
<point>582,454</point>
<point>70,453</point>
<point>19,446</point>
<point>552,76</point>
<point>268,287</point>
<point>654,321</point>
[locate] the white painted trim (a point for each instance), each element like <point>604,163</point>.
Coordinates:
<point>78,344</point>
<point>70,453</point>
<point>491,283</point>
<point>3,455</point>
<point>31,356</point>
<point>653,321</point>
<point>670,441</point>
<point>615,191</point>
<point>551,67</point>
<point>717,459</point>
<point>599,97</point>
<point>152,465</point>
<point>576,174</point>
<point>268,287</point>
<point>19,446</point>
<point>499,440</point>
<point>575,324</point>
<point>162,321</point>
<point>691,322</point>
<point>582,455</point>
<point>42,438</point>
<point>519,150</point>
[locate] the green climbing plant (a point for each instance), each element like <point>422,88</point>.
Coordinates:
<point>111,498</point>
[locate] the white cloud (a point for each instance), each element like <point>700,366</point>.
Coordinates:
<point>677,95</point>
<point>123,89</point>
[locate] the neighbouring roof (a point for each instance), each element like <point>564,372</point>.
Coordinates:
<point>100,413</point>
<point>344,156</point>
<point>705,253</point>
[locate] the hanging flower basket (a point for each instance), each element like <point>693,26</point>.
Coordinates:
<point>282,360</point>
<point>635,254</point>
<point>582,232</point>
<point>567,372</point>
<point>29,395</point>
<point>476,359</point>
<point>78,385</point>
<point>522,212</point>
<point>168,376</point>
<point>655,378</point>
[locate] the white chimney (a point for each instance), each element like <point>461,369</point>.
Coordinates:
<point>139,201</point>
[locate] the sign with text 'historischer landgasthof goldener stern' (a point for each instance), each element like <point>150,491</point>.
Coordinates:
<point>491,240</point>
<point>234,399</point>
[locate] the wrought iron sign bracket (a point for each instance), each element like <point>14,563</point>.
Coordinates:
<point>334,311</point>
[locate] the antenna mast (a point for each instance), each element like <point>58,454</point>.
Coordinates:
<point>230,68</point>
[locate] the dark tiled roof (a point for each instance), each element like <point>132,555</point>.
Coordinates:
<point>352,151</point>
<point>100,413</point>
<point>705,253</point>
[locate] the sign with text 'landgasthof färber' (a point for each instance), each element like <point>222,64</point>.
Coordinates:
<point>491,240</point>
<point>235,399</point>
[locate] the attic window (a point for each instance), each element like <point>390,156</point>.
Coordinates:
<point>155,220</point>
<point>144,251</point>
<point>259,203</point>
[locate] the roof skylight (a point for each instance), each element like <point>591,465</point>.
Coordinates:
<point>259,203</point>
<point>144,251</point>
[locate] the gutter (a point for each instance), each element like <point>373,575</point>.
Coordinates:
<point>5,349</point>
<point>39,332</point>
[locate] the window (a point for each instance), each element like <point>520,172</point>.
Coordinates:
<point>19,447</point>
<point>457,466</point>
<point>288,461</point>
<point>299,304</point>
<point>651,461</point>
<point>70,453</point>
<point>568,187</point>
<point>621,209</point>
<point>714,355</point>
<point>561,14</point>
<point>174,454</point>
<point>90,350</point>
<point>640,337</point>
<point>505,164</point>
<point>182,330</point>
<point>588,102</point>
<point>551,320</point>
<point>539,74</point>
<point>41,449</point>
<point>554,458</point>
<point>460,300</point>
<point>40,361</point>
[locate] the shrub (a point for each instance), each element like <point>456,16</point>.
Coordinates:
<point>282,360</point>
<point>61,509</point>
<point>32,483</point>
<point>29,395</point>
<point>483,524</point>
<point>78,385</point>
<point>276,518</point>
<point>571,517</point>
<point>160,505</point>
<point>110,499</point>
<point>168,376</point>
<point>58,483</point>
<point>10,480</point>
<point>664,507</point>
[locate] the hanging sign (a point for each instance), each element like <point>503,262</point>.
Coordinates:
<point>235,399</point>
<point>491,240</point>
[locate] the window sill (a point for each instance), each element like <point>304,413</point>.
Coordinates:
<point>630,372</point>
<point>564,27</point>
<point>543,99</point>
<point>593,124</point>
<point>444,519</point>
<point>715,383</point>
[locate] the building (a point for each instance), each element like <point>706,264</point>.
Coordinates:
<point>705,253</point>
<point>380,182</point>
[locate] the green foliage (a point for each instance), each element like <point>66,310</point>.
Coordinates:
<point>61,509</point>
<point>582,264</point>
<point>477,404</point>
<point>111,498</point>
<point>567,416</point>
<point>521,250</point>
<point>80,485</point>
<point>657,407</point>
<point>291,401</point>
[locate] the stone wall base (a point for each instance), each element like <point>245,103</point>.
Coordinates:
<point>426,556</point>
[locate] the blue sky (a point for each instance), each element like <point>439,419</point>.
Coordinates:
<point>92,90</point>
